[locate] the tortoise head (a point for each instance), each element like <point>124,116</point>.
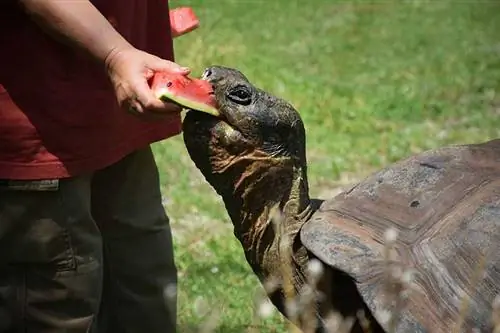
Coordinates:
<point>254,151</point>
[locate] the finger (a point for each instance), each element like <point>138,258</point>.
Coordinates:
<point>127,101</point>
<point>149,102</point>
<point>158,64</point>
<point>135,108</point>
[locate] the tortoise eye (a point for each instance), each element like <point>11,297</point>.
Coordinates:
<point>240,95</point>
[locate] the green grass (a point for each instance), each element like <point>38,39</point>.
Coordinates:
<point>375,81</point>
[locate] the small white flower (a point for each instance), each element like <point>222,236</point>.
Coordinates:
<point>333,322</point>
<point>384,316</point>
<point>265,309</point>
<point>292,308</point>
<point>200,306</point>
<point>214,270</point>
<point>315,268</point>
<point>397,273</point>
<point>407,276</point>
<point>390,235</point>
<point>170,291</point>
<point>271,284</point>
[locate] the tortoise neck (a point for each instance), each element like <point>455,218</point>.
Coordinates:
<point>251,209</point>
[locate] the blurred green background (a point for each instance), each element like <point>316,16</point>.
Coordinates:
<point>375,81</point>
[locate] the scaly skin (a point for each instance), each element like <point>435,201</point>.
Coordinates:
<point>254,156</point>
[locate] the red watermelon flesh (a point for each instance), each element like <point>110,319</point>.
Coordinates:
<point>182,21</point>
<point>188,92</point>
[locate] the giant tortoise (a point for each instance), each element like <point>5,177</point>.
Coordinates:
<point>443,203</point>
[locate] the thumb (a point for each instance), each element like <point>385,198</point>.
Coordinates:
<point>159,65</point>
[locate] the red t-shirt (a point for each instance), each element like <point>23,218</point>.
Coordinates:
<point>58,113</point>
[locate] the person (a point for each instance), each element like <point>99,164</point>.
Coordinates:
<point>85,243</point>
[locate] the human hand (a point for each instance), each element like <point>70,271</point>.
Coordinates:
<point>129,71</point>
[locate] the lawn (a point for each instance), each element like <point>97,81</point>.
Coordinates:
<point>374,81</point>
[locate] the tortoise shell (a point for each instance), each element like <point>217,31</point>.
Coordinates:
<point>445,204</point>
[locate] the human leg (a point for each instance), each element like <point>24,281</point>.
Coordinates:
<point>140,277</point>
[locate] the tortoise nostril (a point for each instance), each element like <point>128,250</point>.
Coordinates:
<point>207,73</point>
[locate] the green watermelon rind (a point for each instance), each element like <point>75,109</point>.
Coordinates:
<point>166,95</point>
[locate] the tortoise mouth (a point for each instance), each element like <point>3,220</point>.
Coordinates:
<point>202,118</point>
<point>200,126</point>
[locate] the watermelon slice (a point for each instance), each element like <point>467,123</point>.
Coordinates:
<point>188,92</point>
<point>182,21</point>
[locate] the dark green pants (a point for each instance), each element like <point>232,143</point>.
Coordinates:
<point>93,254</point>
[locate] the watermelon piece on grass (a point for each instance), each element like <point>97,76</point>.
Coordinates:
<point>182,21</point>
<point>190,93</point>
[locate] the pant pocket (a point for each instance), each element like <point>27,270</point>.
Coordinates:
<point>33,226</point>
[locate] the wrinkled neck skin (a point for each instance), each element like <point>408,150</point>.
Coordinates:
<point>255,189</point>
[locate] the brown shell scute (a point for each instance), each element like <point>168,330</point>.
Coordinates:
<point>446,206</point>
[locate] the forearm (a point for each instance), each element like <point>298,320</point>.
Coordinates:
<point>79,23</point>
